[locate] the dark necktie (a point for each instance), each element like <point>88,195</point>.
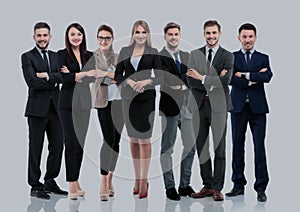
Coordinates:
<point>209,58</point>
<point>178,64</point>
<point>45,58</point>
<point>248,57</point>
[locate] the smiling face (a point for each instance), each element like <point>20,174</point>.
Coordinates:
<point>247,39</point>
<point>212,35</point>
<point>105,40</point>
<point>172,37</point>
<point>42,37</point>
<point>75,37</point>
<point>140,35</point>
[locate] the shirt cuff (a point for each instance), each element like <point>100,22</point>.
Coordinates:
<point>203,80</point>
<point>247,75</point>
<point>47,78</point>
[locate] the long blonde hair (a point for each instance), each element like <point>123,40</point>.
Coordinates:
<point>147,29</point>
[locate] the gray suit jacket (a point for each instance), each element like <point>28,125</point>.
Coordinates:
<point>214,85</point>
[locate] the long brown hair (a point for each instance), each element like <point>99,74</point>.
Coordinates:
<point>82,46</point>
<point>110,56</point>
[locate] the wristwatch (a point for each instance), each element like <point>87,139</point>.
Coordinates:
<point>243,76</point>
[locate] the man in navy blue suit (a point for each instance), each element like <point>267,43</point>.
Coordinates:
<point>251,71</point>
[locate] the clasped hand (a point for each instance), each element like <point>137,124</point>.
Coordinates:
<point>138,86</point>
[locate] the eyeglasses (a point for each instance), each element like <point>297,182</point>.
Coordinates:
<point>107,39</point>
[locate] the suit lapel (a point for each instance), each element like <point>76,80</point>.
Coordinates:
<point>171,60</point>
<point>37,55</point>
<point>51,60</point>
<point>253,56</point>
<point>217,57</point>
<point>242,59</point>
<point>100,61</point>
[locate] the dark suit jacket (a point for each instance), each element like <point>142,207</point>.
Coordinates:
<point>150,61</point>
<point>219,94</point>
<point>171,100</point>
<point>40,90</point>
<point>240,86</point>
<point>78,95</point>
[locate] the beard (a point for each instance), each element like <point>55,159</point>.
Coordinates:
<point>41,46</point>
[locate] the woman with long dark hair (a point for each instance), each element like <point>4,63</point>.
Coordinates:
<point>75,102</point>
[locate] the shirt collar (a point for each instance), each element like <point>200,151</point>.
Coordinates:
<point>251,51</point>
<point>215,49</point>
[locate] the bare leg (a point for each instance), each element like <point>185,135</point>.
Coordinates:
<point>135,154</point>
<point>111,191</point>
<point>145,152</point>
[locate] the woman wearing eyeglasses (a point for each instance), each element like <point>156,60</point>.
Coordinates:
<point>107,100</point>
<point>133,73</point>
<point>75,102</point>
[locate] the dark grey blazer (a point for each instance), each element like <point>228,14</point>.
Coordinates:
<point>214,85</point>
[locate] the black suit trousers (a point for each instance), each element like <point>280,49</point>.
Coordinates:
<point>37,128</point>
<point>203,119</point>
<point>75,125</point>
<point>112,123</point>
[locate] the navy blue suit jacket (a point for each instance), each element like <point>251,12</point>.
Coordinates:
<point>240,86</point>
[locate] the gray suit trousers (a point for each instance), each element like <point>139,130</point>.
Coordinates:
<point>169,125</point>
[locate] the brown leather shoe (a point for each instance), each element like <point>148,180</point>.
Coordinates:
<point>218,196</point>
<point>205,192</point>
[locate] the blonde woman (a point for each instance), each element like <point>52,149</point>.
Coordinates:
<point>134,68</point>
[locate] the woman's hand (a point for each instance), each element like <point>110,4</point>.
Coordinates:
<point>64,69</point>
<point>139,86</point>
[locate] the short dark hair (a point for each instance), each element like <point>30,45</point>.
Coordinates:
<point>40,25</point>
<point>247,26</point>
<point>210,23</point>
<point>171,25</point>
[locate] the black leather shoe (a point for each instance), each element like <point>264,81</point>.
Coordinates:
<point>56,190</point>
<point>39,193</point>
<point>187,191</point>
<point>235,192</point>
<point>172,194</point>
<point>261,196</point>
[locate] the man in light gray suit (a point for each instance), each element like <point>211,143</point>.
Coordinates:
<point>210,71</point>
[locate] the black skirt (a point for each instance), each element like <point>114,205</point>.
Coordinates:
<point>139,117</point>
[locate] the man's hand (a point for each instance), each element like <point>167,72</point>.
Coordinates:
<point>263,70</point>
<point>42,75</point>
<point>238,74</point>
<point>194,74</point>
<point>176,87</point>
<point>223,73</point>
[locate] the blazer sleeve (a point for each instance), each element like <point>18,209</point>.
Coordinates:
<point>31,79</point>
<point>66,77</point>
<point>55,75</point>
<point>262,77</point>
<point>220,81</point>
<point>120,68</point>
<point>157,68</point>
<point>194,83</point>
